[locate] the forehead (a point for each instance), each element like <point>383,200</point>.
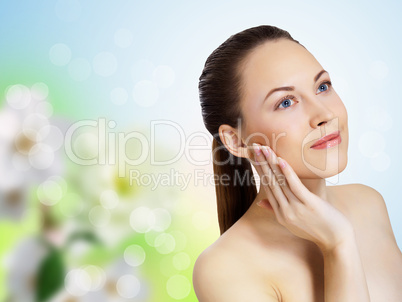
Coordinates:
<point>278,63</point>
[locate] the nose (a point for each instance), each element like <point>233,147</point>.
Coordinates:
<point>320,114</point>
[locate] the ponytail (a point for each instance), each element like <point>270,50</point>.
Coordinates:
<point>234,184</point>
<point>220,90</point>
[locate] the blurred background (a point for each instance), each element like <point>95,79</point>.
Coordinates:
<point>106,188</point>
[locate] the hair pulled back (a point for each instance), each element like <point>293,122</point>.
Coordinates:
<point>220,94</point>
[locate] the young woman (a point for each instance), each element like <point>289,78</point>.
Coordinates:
<point>268,102</point>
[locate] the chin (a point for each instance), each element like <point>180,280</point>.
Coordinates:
<point>325,163</point>
<point>336,169</point>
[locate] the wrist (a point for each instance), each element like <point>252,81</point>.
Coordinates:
<point>346,244</point>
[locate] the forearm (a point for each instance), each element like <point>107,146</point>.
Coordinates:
<point>344,278</point>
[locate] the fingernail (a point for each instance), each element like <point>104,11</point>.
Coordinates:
<point>265,149</point>
<point>257,149</point>
<point>281,162</point>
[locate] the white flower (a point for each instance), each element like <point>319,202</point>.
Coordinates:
<point>92,296</point>
<point>89,283</point>
<point>30,146</point>
<point>22,266</point>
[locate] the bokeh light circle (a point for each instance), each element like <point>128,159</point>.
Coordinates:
<point>32,124</point>
<point>49,192</point>
<point>39,91</point>
<point>44,108</point>
<point>165,243</point>
<point>181,261</point>
<point>109,199</point>
<point>86,145</point>
<point>41,156</point>
<point>162,219</point>
<point>128,286</point>
<point>60,54</point>
<point>77,282</point>
<point>60,181</point>
<point>99,216</point>
<point>142,219</point>
<point>53,135</point>
<point>150,237</point>
<point>18,96</point>
<point>178,287</point>
<point>134,255</point>
<point>96,276</point>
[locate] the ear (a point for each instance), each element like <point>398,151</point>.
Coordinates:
<point>230,138</point>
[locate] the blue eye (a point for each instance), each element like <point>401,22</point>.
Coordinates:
<point>324,87</point>
<point>286,102</point>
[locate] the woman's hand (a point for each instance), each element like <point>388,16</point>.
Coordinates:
<point>303,213</point>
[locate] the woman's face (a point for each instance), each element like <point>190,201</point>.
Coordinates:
<point>291,120</point>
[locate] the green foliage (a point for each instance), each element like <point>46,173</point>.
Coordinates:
<point>50,276</point>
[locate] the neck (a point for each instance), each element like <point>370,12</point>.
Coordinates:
<point>264,220</point>
<point>316,186</point>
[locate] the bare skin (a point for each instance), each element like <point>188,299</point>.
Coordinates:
<point>263,257</point>
<point>266,260</point>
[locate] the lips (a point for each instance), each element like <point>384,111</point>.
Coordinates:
<point>325,139</point>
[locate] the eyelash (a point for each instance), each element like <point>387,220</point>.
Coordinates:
<point>291,97</point>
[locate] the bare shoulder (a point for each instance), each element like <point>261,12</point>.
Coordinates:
<point>367,206</point>
<point>366,193</point>
<point>220,275</point>
<point>353,196</point>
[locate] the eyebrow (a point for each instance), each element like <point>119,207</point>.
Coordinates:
<point>292,88</point>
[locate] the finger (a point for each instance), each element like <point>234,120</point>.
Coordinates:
<point>261,162</point>
<point>254,161</point>
<point>263,170</point>
<point>263,166</point>
<point>294,182</point>
<point>270,180</point>
<point>264,181</point>
<point>280,176</point>
<point>252,153</point>
<point>277,190</point>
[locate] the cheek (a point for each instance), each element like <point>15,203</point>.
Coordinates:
<point>260,131</point>
<point>289,144</point>
<point>340,109</point>
<point>282,136</point>
<point>345,114</point>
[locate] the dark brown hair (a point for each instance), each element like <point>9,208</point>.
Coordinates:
<point>220,94</point>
